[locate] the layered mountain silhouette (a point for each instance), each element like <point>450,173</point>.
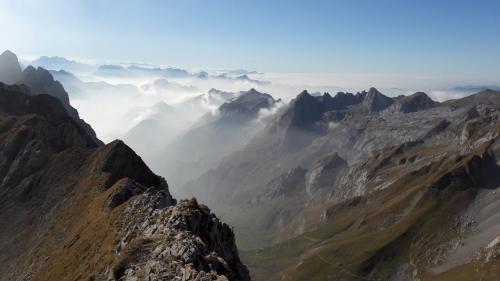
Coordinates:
<point>60,63</point>
<point>163,123</point>
<point>72,208</point>
<point>217,134</point>
<point>136,70</point>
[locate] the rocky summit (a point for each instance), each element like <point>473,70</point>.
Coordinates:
<point>72,208</point>
<point>10,70</point>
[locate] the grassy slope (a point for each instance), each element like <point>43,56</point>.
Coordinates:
<point>80,239</point>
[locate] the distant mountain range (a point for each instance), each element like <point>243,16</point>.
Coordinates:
<point>60,63</point>
<point>133,70</point>
<point>118,70</point>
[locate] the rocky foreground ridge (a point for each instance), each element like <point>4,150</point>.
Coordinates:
<point>74,209</point>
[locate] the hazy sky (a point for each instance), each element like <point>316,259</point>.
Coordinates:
<point>451,38</point>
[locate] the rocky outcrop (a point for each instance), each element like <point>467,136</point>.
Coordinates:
<point>183,241</point>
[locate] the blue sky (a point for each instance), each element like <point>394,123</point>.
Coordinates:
<point>442,38</point>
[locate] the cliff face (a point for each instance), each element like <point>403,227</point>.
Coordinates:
<point>72,209</point>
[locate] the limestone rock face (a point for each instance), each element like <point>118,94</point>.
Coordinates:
<point>182,241</point>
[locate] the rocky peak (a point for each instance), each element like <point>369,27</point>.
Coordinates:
<point>184,241</point>
<point>10,70</point>
<point>303,95</point>
<point>121,161</point>
<point>374,101</point>
<point>9,56</point>
<point>420,96</point>
<point>42,82</point>
<point>304,111</point>
<point>326,98</point>
<point>247,104</point>
<point>213,90</point>
<point>253,91</point>
<point>218,94</point>
<point>415,102</point>
<point>342,100</point>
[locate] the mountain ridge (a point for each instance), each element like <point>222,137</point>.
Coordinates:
<point>74,209</point>
<point>40,81</point>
